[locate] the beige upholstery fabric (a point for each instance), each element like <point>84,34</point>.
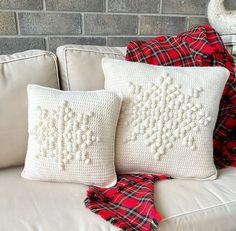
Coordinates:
<point>43,206</point>
<point>80,66</point>
<point>16,72</point>
<point>186,205</point>
<point>198,206</point>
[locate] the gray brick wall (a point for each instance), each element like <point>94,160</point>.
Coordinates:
<point>47,24</point>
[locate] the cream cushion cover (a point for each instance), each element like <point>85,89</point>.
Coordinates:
<point>16,72</point>
<point>71,136</point>
<point>80,65</point>
<point>167,117</point>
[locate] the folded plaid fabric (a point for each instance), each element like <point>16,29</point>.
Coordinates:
<point>201,46</point>
<point>128,205</point>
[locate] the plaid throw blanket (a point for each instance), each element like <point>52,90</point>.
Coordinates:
<point>129,205</point>
<point>201,46</point>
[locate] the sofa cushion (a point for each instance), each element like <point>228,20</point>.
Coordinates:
<point>43,206</point>
<point>193,205</point>
<point>80,65</point>
<point>185,204</point>
<point>16,72</point>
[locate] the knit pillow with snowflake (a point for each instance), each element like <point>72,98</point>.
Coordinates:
<point>167,117</point>
<point>71,136</point>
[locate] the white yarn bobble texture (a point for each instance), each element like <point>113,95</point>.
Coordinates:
<point>71,136</point>
<point>167,117</point>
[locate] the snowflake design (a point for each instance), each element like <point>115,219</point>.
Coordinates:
<point>162,114</point>
<point>63,135</point>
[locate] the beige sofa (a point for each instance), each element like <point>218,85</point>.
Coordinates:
<point>25,205</point>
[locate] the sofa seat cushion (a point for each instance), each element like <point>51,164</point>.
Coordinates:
<point>193,205</point>
<point>43,206</point>
<point>185,205</point>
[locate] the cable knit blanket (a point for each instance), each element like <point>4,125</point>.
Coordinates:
<point>129,205</point>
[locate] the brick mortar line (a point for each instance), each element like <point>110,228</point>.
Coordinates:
<point>106,40</point>
<point>22,36</point>
<point>48,11</point>
<point>160,7</point>
<point>106,6</point>
<point>139,25</point>
<point>82,24</point>
<point>146,14</point>
<point>44,5</point>
<point>17,24</point>
<point>188,23</point>
<point>78,36</point>
<point>46,37</point>
<point>46,43</point>
<point>106,13</point>
<point>20,10</point>
<point>104,36</point>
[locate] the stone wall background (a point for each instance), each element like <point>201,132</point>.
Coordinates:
<point>47,24</point>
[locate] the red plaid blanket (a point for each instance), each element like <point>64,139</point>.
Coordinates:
<point>129,205</point>
<point>201,46</point>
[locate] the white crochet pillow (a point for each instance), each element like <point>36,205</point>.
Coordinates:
<point>167,117</point>
<point>71,136</point>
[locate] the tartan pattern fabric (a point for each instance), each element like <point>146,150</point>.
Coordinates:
<point>201,46</point>
<point>129,204</point>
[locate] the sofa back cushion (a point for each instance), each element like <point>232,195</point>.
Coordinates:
<point>16,72</point>
<point>80,65</point>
